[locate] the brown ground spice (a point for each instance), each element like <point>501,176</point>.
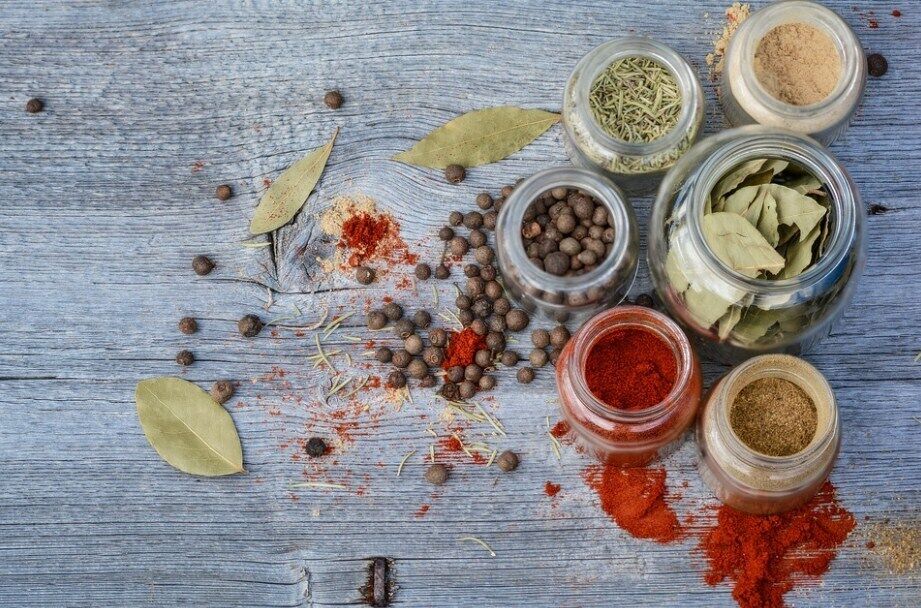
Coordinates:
<point>774,416</point>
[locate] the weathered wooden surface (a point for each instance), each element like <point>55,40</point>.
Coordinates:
<point>107,195</point>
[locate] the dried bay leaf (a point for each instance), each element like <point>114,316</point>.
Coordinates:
<point>740,245</point>
<point>705,306</point>
<point>734,178</point>
<point>289,192</point>
<point>728,321</point>
<point>799,255</point>
<point>187,428</point>
<point>673,271</point>
<point>796,209</point>
<point>479,137</point>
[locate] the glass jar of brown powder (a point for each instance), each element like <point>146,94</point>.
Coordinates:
<point>768,434</point>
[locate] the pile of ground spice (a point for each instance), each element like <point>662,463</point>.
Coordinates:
<point>774,416</point>
<point>462,348</point>
<point>797,63</point>
<point>897,545</point>
<point>635,499</point>
<point>735,15</point>
<point>766,556</point>
<point>364,234</point>
<point>630,369</point>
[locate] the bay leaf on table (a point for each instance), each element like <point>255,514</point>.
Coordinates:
<point>479,137</point>
<point>799,254</point>
<point>187,428</point>
<point>740,245</point>
<point>289,192</point>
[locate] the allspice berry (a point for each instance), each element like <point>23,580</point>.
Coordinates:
<point>188,325</point>
<point>525,375</point>
<point>540,338</point>
<point>393,311</point>
<point>455,174</point>
<point>396,379</point>
<point>417,369</point>
<point>223,192</point>
<point>538,357</point>
<point>413,344</point>
<point>185,357</point>
<point>376,319</point>
<point>487,383</point>
<point>877,65</point>
<point>438,337</point>
<point>509,358</point>
<point>442,272</point>
<point>35,105</point>
<point>249,326</point>
<point>422,319</point>
<point>333,100</point>
<point>364,275</point>
<point>507,461</point>
<point>517,319</point>
<point>645,300</point>
<point>437,474</point>
<point>202,265</point>
<point>423,271</point>
<point>383,354</point>
<point>222,391</point>
<point>559,336</point>
<point>315,447</point>
<point>466,389</point>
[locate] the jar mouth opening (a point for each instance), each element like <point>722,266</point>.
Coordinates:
<point>802,374</point>
<point>810,155</point>
<point>643,319</point>
<point>820,17</point>
<point>508,226</point>
<point>598,59</point>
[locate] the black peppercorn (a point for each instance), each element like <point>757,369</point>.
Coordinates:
<point>442,272</point>
<point>315,447</point>
<point>249,326</point>
<point>35,105</point>
<point>525,375</point>
<point>383,354</point>
<point>401,358</point>
<point>222,391</point>
<point>185,357</point>
<point>455,174</point>
<point>396,379</point>
<point>437,474</point>
<point>455,373</point>
<point>517,319</point>
<point>446,233</point>
<point>333,100</point>
<point>487,383</point>
<point>877,65</point>
<point>507,461</point>
<point>404,328</point>
<point>393,311</point>
<point>423,271</point>
<point>376,319</point>
<point>188,325</point>
<point>422,319</point>
<point>364,275</point>
<point>509,358</point>
<point>223,192</point>
<point>202,265</point>
<point>455,218</point>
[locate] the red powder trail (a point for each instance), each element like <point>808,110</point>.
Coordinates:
<point>422,510</point>
<point>560,429</point>
<point>462,348</point>
<point>551,489</point>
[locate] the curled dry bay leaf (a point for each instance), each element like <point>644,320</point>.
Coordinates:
<point>187,428</point>
<point>287,194</point>
<point>479,137</point>
<point>739,245</point>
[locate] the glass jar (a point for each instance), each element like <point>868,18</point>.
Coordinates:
<point>785,315</point>
<point>745,101</point>
<point>627,437</point>
<point>757,483</point>
<point>575,297</point>
<point>637,167</point>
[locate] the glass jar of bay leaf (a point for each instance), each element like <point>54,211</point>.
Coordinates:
<point>756,242</point>
<point>632,148</point>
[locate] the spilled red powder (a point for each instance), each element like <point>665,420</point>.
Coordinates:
<point>551,489</point>
<point>630,369</point>
<point>451,444</point>
<point>635,499</point>
<point>873,23</point>
<point>896,13</point>
<point>767,556</point>
<point>422,510</point>
<point>369,236</point>
<point>560,429</point>
<point>462,347</point>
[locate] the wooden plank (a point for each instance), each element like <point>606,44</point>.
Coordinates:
<point>109,193</point>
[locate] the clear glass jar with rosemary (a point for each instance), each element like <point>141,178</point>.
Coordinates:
<point>756,242</point>
<point>632,108</point>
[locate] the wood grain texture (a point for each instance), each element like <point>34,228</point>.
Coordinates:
<point>108,194</point>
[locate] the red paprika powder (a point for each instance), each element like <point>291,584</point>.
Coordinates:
<point>630,369</point>
<point>768,555</point>
<point>462,348</point>
<point>362,233</point>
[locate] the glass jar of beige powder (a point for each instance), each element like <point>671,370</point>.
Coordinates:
<point>768,434</point>
<point>795,65</point>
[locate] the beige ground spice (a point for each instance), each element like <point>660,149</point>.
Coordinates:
<point>735,15</point>
<point>897,545</point>
<point>798,63</point>
<point>774,416</point>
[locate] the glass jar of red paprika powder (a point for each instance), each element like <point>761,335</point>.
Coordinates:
<point>629,385</point>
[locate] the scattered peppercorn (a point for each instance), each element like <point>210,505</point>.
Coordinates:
<point>455,373</point>
<point>417,369</point>
<point>413,344</point>
<point>333,100</point>
<point>393,311</point>
<point>483,358</point>
<point>35,105</point>
<point>185,357</point>
<point>466,389</point>
<point>383,354</point>
<point>222,391</point>
<point>249,326</point>
<point>422,319</point>
<point>645,300</point>
<point>559,336</point>
<point>507,461</point>
<point>202,265</point>
<point>433,356</point>
<point>223,192</point>
<point>364,275</point>
<point>188,325</point>
<point>423,271</point>
<point>455,174</point>
<point>437,474</point>
<point>404,328</point>
<point>401,358</point>
<point>538,357</point>
<point>540,338</point>
<point>487,383</point>
<point>376,319</point>
<point>455,218</point>
<point>438,337</point>
<point>477,238</point>
<point>458,246</point>
<point>509,358</point>
<point>877,65</point>
<point>473,219</point>
<point>315,447</point>
<point>446,233</point>
<point>428,382</point>
<point>517,319</point>
<point>484,200</point>
<point>525,375</point>
<point>396,379</point>
<point>442,272</point>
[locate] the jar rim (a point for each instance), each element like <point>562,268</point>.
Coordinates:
<point>603,55</point>
<point>745,42</point>
<point>797,368</point>
<point>508,227</point>
<point>648,320</point>
<point>766,142</point>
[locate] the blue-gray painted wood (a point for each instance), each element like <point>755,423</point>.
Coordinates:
<point>107,195</point>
